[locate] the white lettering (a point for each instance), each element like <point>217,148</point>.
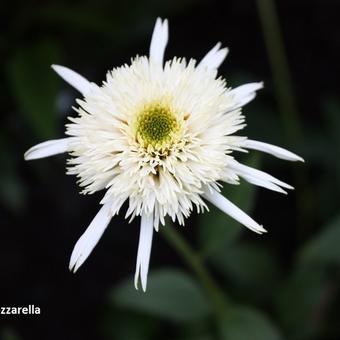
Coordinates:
<point>11,310</point>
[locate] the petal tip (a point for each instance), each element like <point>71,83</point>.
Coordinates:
<point>80,83</point>
<point>57,68</point>
<point>136,281</point>
<point>260,230</point>
<point>143,285</point>
<point>71,267</point>
<point>28,156</point>
<point>218,45</point>
<point>77,265</point>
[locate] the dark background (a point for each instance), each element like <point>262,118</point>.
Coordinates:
<point>283,285</point>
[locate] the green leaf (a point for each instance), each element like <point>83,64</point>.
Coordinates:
<point>34,86</point>
<point>240,323</point>
<point>323,248</point>
<point>216,229</point>
<point>9,334</point>
<point>129,326</point>
<point>12,191</point>
<point>12,188</point>
<point>332,110</point>
<point>331,106</point>
<point>248,266</point>
<point>198,337</point>
<point>171,294</point>
<point>298,302</point>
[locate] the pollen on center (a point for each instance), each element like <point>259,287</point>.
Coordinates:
<point>156,124</point>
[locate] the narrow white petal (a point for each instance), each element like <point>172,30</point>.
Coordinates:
<point>262,183</point>
<point>73,78</point>
<point>246,89</point>
<point>233,211</point>
<point>245,100</point>
<point>144,250</point>
<point>245,93</point>
<point>159,41</point>
<point>215,57</point>
<point>272,150</point>
<point>156,221</point>
<point>242,170</point>
<point>90,238</point>
<point>46,149</point>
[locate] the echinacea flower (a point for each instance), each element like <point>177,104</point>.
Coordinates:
<point>160,136</point>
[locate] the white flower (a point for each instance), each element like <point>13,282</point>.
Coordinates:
<point>162,138</point>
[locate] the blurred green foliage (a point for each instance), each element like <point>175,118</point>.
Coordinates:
<point>9,334</point>
<point>284,286</point>
<point>247,323</point>
<point>35,87</point>
<point>182,299</point>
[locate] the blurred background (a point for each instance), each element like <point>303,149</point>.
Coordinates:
<point>211,279</point>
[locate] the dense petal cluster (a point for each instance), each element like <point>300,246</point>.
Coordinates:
<point>161,138</point>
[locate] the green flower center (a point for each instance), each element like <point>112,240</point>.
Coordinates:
<point>156,125</point>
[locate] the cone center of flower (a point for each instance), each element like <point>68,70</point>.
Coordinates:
<point>156,125</point>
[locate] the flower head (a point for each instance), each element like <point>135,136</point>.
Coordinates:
<point>162,138</point>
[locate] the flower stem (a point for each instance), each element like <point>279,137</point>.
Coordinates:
<point>287,105</point>
<point>280,69</point>
<point>194,261</point>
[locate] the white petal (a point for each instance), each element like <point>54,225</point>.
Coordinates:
<point>90,238</point>
<point>245,93</point>
<point>144,250</point>
<point>159,41</point>
<point>215,57</point>
<point>244,170</point>
<point>156,221</point>
<point>264,184</point>
<point>46,149</point>
<point>73,78</point>
<point>233,211</point>
<point>272,150</point>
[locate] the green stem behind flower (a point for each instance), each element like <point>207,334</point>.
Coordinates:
<point>280,69</point>
<point>287,104</point>
<point>194,261</point>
